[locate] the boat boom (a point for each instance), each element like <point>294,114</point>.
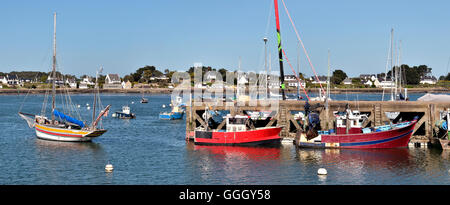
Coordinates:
<point>94,124</point>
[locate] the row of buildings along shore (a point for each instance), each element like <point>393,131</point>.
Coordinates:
<point>113,81</point>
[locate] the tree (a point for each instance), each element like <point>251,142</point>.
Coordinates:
<point>43,78</point>
<point>412,74</point>
<point>446,78</point>
<point>128,78</point>
<point>223,72</point>
<point>147,75</point>
<point>338,76</point>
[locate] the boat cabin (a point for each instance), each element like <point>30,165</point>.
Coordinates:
<point>237,123</point>
<point>355,122</point>
<point>126,110</point>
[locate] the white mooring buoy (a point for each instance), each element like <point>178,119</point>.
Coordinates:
<point>163,106</point>
<point>109,168</point>
<point>322,171</point>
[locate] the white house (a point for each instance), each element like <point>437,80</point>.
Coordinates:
<point>3,80</point>
<point>71,82</point>
<point>371,82</point>
<point>85,82</point>
<point>126,85</point>
<point>112,81</point>
<point>12,79</point>
<point>291,81</point>
<point>428,80</point>
<point>322,80</point>
<point>242,79</point>
<point>347,81</point>
<point>386,84</point>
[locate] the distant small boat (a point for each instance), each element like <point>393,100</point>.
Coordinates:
<point>144,100</point>
<point>125,114</point>
<point>176,114</point>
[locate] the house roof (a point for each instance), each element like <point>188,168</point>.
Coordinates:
<point>12,77</point>
<point>428,78</point>
<point>113,77</point>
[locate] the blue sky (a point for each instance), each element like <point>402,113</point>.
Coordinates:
<point>122,36</point>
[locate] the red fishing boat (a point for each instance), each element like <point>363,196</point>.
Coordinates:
<point>350,134</point>
<point>238,132</point>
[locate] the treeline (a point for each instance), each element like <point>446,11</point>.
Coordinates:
<point>446,78</point>
<point>408,75</point>
<point>36,76</point>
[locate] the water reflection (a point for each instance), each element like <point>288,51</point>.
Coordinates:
<point>232,153</point>
<point>352,166</point>
<point>232,164</point>
<point>366,157</point>
<point>65,146</point>
<point>68,162</point>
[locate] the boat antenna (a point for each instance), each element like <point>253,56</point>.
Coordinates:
<point>54,67</point>
<point>280,52</point>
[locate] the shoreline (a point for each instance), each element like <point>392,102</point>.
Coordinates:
<point>169,90</point>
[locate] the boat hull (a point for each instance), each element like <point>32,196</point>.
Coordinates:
<point>394,138</point>
<point>171,116</point>
<point>245,138</point>
<point>122,115</point>
<point>66,135</point>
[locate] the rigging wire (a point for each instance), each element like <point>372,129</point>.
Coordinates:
<point>303,46</point>
<point>298,79</point>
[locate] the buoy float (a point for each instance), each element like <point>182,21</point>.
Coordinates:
<point>163,106</point>
<point>109,168</point>
<point>322,171</point>
<point>88,108</point>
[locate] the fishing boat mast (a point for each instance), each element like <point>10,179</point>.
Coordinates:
<point>280,52</point>
<point>328,81</point>
<point>95,96</point>
<point>298,71</point>
<point>265,58</point>
<point>54,67</point>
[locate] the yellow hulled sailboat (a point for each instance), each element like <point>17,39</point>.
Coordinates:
<point>64,127</point>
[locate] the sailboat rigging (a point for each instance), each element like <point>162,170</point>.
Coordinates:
<point>64,127</point>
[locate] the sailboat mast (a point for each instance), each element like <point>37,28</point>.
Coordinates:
<point>400,65</point>
<point>54,67</point>
<point>298,70</point>
<point>280,52</point>
<point>95,99</point>
<point>392,63</point>
<point>328,78</point>
<point>265,58</point>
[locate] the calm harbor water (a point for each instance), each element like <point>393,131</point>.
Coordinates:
<point>149,151</point>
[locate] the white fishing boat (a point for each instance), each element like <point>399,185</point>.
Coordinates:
<point>62,126</point>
